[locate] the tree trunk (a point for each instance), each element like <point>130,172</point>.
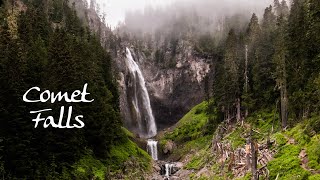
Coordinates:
<point>228,115</point>
<point>284,103</point>
<point>248,164</point>
<point>246,80</point>
<point>254,154</point>
<point>238,110</point>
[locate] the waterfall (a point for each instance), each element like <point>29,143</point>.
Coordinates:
<point>168,169</point>
<point>152,148</point>
<point>141,119</point>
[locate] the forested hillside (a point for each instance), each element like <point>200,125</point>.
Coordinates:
<point>261,120</point>
<point>274,62</point>
<point>45,44</point>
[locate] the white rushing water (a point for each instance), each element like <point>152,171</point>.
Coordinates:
<point>152,147</point>
<point>142,120</point>
<point>168,169</point>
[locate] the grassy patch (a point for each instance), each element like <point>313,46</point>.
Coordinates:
<point>287,161</point>
<point>262,122</point>
<point>125,154</point>
<point>236,137</point>
<point>248,176</point>
<point>287,164</point>
<point>191,126</point>
<point>199,159</point>
<point>162,143</point>
<point>313,151</point>
<point>314,177</point>
<point>124,151</point>
<point>279,138</point>
<point>299,133</point>
<point>127,132</point>
<point>89,167</point>
<point>313,126</point>
<point>189,133</point>
<point>191,147</point>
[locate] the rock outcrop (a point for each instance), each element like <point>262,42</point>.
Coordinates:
<point>174,87</point>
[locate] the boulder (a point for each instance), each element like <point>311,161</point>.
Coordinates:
<point>168,147</point>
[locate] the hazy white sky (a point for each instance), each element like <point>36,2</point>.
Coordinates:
<point>115,9</point>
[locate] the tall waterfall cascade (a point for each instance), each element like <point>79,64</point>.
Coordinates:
<point>141,117</point>
<point>152,148</point>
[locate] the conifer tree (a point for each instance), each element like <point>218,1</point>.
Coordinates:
<point>262,82</point>
<point>280,74</point>
<point>232,74</point>
<point>252,34</point>
<point>300,67</point>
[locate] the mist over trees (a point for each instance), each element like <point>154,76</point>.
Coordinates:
<point>263,57</point>
<point>196,16</point>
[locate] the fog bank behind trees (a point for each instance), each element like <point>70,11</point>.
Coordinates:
<point>192,17</point>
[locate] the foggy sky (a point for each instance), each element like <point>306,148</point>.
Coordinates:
<point>116,9</point>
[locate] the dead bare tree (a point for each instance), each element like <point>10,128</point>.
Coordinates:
<point>254,157</point>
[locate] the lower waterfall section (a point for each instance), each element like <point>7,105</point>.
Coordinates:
<point>168,169</point>
<point>152,148</point>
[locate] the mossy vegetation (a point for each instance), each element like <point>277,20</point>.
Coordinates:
<point>191,126</point>
<point>314,177</point>
<point>192,139</point>
<point>248,176</point>
<point>127,132</point>
<point>122,152</point>
<point>190,133</point>
<point>313,151</point>
<point>200,159</point>
<point>279,138</point>
<point>264,122</point>
<point>287,163</point>
<point>124,155</point>
<point>236,137</point>
<point>300,133</point>
<point>89,167</point>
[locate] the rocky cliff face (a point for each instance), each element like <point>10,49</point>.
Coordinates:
<point>175,84</point>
